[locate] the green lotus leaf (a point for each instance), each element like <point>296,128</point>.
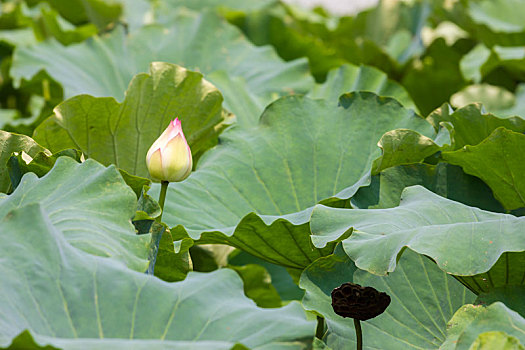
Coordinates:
<point>167,262</point>
<point>511,296</point>
<point>121,133</point>
<point>245,104</point>
<point>444,179</point>
<point>423,298</point>
<point>98,12</point>
<point>498,15</point>
<point>258,286</point>
<point>496,340</point>
<point>471,64</point>
<point>348,78</point>
<point>489,22</point>
<point>386,36</point>
<point>163,9</point>
<point>280,277</point>
<point>90,204</point>
<point>493,22</point>
<point>203,42</point>
<point>405,146</point>
<point>503,151</point>
<point>472,124</point>
<point>30,25</point>
<point>462,240</point>
<point>507,63</point>
<point>484,328</point>
<point>493,98</point>
<point>10,143</point>
<point>440,64</point>
<point>255,190</point>
<point>518,108</point>
<point>49,24</point>
<point>75,300</point>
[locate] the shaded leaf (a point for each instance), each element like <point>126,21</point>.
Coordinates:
<point>10,143</point>
<point>444,179</point>
<point>171,264</point>
<point>280,277</point>
<point>511,296</point>
<point>439,65</point>
<point>498,161</point>
<point>258,286</point>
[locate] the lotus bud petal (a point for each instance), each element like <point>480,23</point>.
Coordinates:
<point>169,158</point>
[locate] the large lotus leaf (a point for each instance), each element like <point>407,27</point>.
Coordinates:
<point>462,240</point>
<point>472,124</point>
<point>71,299</point>
<point>10,143</point>
<point>349,78</point>
<point>25,341</point>
<point>302,152</point>
<point>444,179</point>
<point>485,328</point>
<point>499,161</point>
<point>423,298</point>
<point>121,133</point>
<point>203,42</point>
<point>90,204</point>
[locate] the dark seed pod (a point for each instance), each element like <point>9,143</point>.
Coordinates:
<point>361,303</point>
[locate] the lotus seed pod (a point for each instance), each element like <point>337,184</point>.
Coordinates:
<point>361,303</point>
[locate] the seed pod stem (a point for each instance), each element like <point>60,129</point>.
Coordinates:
<point>358,334</point>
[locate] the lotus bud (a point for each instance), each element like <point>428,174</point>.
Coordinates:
<point>169,158</point>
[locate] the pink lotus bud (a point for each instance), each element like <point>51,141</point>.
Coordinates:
<point>169,158</point>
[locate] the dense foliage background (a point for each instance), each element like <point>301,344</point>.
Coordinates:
<point>384,149</point>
